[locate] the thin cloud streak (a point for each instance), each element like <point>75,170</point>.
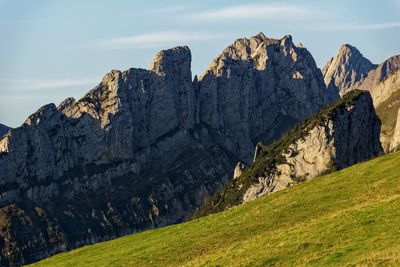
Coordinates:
<point>357,27</point>
<point>166,10</point>
<point>27,21</point>
<point>156,39</point>
<point>268,12</point>
<point>34,84</point>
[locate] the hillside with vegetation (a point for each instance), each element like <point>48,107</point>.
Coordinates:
<point>348,217</point>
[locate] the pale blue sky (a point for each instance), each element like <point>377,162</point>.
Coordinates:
<point>51,49</point>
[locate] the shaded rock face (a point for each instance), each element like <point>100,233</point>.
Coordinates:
<point>3,130</point>
<point>350,70</point>
<point>144,148</point>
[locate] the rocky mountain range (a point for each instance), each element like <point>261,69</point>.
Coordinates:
<point>144,148</point>
<point>344,133</point>
<point>350,70</point>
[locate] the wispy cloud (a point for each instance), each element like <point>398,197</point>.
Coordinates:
<point>23,21</point>
<point>166,10</point>
<point>156,39</point>
<point>255,11</point>
<point>356,27</point>
<point>32,84</point>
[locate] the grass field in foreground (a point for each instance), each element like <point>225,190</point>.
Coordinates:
<point>347,217</point>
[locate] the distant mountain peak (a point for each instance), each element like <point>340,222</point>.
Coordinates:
<point>260,50</point>
<point>349,70</point>
<point>345,69</point>
<point>260,36</point>
<point>349,48</point>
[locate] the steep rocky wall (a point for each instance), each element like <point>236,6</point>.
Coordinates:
<point>395,144</point>
<point>386,97</point>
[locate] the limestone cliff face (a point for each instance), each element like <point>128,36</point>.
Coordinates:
<point>144,148</point>
<point>386,97</point>
<point>256,89</point>
<point>395,144</point>
<point>350,70</point>
<point>345,133</point>
<point>3,130</point>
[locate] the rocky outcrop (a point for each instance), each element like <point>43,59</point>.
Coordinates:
<point>386,97</point>
<point>144,148</point>
<point>345,133</point>
<point>350,70</point>
<point>3,130</point>
<point>256,89</point>
<point>395,144</point>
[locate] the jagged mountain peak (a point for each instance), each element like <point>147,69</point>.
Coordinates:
<point>347,49</point>
<point>259,50</point>
<point>389,66</point>
<point>346,68</point>
<point>110,76</point>
<point>172,60</point>
<point>349,70</point>
<point>261,36</point>
<point>42,114</point>
<point>118,90</point>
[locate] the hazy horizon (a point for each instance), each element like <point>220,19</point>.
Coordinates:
<point>53,50</point>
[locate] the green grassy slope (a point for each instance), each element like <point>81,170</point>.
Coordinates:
<point>348,217</point>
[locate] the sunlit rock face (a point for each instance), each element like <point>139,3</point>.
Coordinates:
<point>349,70</point>
<point>346,135</point>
